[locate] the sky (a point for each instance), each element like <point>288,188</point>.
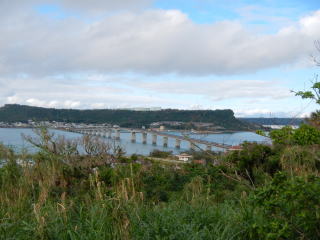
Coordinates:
<point>243,55</point>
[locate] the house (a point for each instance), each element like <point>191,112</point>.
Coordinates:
<point>235,148</point>
<point>184,157</point>
<point>199,161</point>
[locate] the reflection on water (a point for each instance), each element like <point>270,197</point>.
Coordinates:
<point>13,137</point>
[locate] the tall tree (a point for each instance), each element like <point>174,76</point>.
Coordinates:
<point>314,92</point>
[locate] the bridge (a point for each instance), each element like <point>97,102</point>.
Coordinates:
<point>115,133</point>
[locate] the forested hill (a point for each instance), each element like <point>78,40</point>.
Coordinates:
<point>124,118</point>
<point>274,121</point>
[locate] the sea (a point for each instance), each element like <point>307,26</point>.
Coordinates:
<point>13,137</point>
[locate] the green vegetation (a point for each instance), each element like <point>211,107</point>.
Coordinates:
<point>160,154</point>
<point>313,95</point>
<point>124,118</point>
<point>261,192</point>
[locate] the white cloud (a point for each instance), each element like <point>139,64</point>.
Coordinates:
<point>269,113</point>
<point>51,92</point>
<point>36,102</point>
<point>72,104</point>
<point>152,41</point>
<point>220,90</point>
<point>91,57</point>
<point>99,105</point>
<point>87,6</point>
<point>256,112</point>
<point>103,6</point>
<point>13,99</point>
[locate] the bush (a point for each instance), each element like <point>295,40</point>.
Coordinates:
<point>184,221</point>
<point>160,154</point>
<point>159,182</point>
<point>282,136</point>
<point>254,156</point>
<point>291,207</point>
<point>304,135</point>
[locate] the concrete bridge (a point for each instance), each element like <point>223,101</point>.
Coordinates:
<point>115,133</point>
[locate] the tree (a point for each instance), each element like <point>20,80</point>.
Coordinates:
<point>313,93</point>
<point>306,135</point>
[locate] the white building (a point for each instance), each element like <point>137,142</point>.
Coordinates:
<point>184,157</point>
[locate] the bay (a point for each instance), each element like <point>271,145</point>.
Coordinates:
<point>13,137</point>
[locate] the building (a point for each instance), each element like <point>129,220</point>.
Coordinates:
<point>235,148</point>
<point>184,157</point>
<point>199,161</point>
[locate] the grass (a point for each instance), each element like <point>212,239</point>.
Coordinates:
<point>69,196</point>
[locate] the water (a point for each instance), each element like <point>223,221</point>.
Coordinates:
<point>13,137</point>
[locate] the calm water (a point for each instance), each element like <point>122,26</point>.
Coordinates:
<point>13,137</point>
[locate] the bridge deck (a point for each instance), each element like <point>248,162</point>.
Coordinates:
<point>182,138</point>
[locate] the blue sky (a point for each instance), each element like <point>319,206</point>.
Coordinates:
<point>207,11</point>
<point>193,54</point>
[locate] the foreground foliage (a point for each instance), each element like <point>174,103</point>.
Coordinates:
<point>261,192</point>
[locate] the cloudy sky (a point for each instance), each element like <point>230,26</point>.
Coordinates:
<point>243,55</point>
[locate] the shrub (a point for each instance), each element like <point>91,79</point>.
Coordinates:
<point>306,135</point>
<point>184,221</point>
<point>160,154</point>
<point>282,136</point>
<point>291,207</point>
<point>254,156</point>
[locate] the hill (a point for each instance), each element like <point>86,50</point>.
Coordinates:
<point>274,121</point>
<point>125,118</point>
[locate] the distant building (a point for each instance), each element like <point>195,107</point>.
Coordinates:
<point>162,128</point>
<point>184,157</point>
<point>199,161</point>
<point>235,148</point>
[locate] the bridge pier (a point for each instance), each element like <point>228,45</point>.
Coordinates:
<point>154,139</point>
<point>117,134</point>
<point>133,137</point>
<point>165,141</point>
<point>144,138</point>
<point>178,143</point>
<point>109,133</point>
<point>106,133</point>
